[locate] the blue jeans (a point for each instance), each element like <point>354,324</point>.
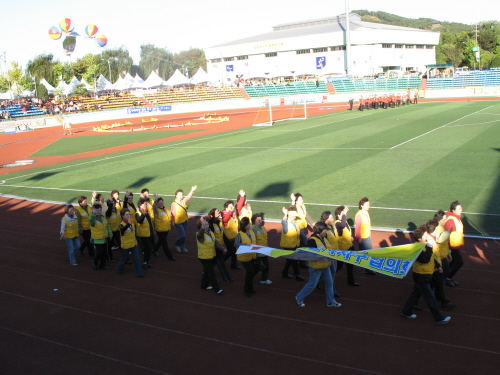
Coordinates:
<point>314,276</point>
<point>181,229</point>
<point>137,260</point>
<point>73,247</point>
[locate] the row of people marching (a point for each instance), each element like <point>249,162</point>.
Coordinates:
<point>120,224</point>
<point>112,224</point>
<point>384,101</point>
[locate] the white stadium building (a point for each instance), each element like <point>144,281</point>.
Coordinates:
<point>318,47</point>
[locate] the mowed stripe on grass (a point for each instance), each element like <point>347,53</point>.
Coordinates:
<point>330,159</point>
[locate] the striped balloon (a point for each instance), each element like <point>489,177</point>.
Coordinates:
<point>101,40</point>
<point>66,24</point>
<point>91,30</point>
<point>54,33</point>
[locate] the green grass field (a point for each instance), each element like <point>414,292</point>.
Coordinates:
<point>410,162</point>
<point>67,146</point>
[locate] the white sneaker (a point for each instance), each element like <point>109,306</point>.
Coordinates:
<point>412,316</point>
<point>184,250</point>
<point>334,304</point>
<point>300,303</point>
<point>267,282</point>
<point>179,250</point>
<point>210,287</point>
<point>444,321</point>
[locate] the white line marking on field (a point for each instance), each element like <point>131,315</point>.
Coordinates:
<point>442,126</point>
<point>477,123</point>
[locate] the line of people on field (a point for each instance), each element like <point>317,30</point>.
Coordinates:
<point>389,100</point>
<point>112,224</point>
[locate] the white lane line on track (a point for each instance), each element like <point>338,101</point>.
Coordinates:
<point>279,317</point>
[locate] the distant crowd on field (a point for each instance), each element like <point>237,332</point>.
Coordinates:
<point>139,227</point>
<point>384,100</point>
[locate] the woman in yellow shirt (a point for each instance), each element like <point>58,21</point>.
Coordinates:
<point>178,209</point>
<point>246,236</point>
<point>162,224</point>
<point>207,244</point>
<point>69,231</point>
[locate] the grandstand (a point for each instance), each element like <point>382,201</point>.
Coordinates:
<point>376,84</point>
<point>292,88</point>
<point>194,94</point>
<point>475,78</point>
<point>16,111</point>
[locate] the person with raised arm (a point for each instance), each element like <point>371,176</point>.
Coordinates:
<point>178,210</point>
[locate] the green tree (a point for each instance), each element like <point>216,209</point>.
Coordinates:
<point>63,71</point>
<point>454,53</point>
<point>80,90</point>
<point>158,59</point>
<point>42,66</point>
<point>489,31</point>
<point>193,59</point>
<point>41,92</point>
<point>115,60</point>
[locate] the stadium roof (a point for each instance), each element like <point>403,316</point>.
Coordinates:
<point>317,26</point>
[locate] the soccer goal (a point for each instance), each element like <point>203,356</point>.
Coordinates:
<point>272,112</point>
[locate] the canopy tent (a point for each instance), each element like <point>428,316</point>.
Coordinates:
<point>200,77</point>
<point>87,86</point>
<point>137,84</point>
<point>121,84</point>
<point>63,86</point>
<point>154,80</point>
<point>71,86</point>
<point>102,84</point>
<point>129,80</point>
<point>177,79</point>
<point>48,86</point>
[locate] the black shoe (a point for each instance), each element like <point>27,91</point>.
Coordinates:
<point>318,287</point>
<point>249,294</point>
<point>354,284</point>
<point>336,295</point>
<point>149,265</point>
<point>141,276</point>
<point>235,267</point>
<point>455,282</point>
<point>299,278</point>
<point>449,282</point>
<point>228,280</point>
<point>287,276</point>
<point>448,306</point>
<point>104,268</point>
<point>369,272</point>
<point>172,259</point>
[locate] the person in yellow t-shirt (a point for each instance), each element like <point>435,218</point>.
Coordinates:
<point>178,210</point>
<point>207,245</point>
<point>423,269</point>
<point>261,237</point>
<point>129,243</point>
<point>70,232</point>
<point>83,213</point>
<point>217,228</point>
<point>363,228</point>
<point>162,224</point>
<point>290,240</point>
<point>246,236</point>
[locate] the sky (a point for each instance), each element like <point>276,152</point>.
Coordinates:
<point>179,25</point>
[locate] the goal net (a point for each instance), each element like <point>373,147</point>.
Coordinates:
<point>272,112</point>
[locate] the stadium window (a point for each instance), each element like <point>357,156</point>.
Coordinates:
<point>409,46</point>
<point>242,57</point>
<point>429,47</point>
<point>386,45</point>
<point>272,54</point>
<point>398,46</point>
<point>420,47</point>
<point>302,51</point>
<point>216,60</point>
<point>317,50</point>
<point>228,58</point>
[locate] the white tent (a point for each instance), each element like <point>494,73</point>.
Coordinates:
<point>48,86</point>
<point>200,77</point>
<point>63,86</point>
<point>138,81</point>
<point>87,86</point>
<point>154,80</point>
<point>120,84</point>
<point>72,85</point>
<point>177,79</point>
<point>129,80</point>
<point>103,84</point>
